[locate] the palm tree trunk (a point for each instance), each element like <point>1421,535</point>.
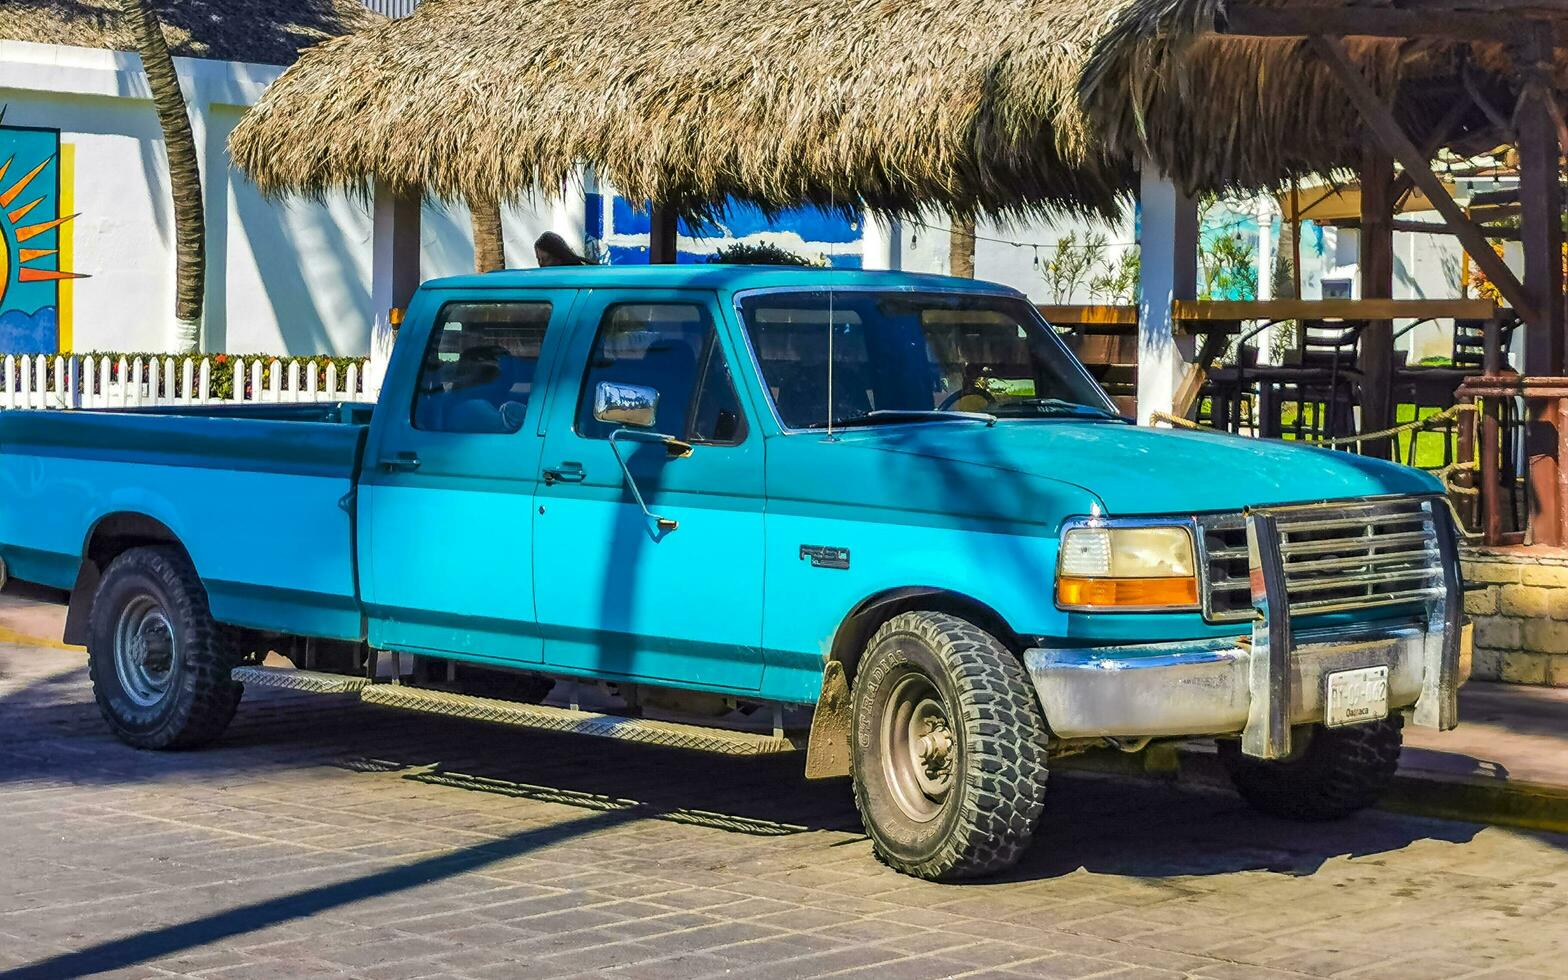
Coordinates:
<point>190,243</point>
<point>489,245</point>
<point>961,248</point>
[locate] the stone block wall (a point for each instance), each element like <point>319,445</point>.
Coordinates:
<point>1518,600</point>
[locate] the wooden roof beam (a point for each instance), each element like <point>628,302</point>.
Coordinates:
<point>1558,8</point>
<point>1380,120</point>
<point>1382,22</point>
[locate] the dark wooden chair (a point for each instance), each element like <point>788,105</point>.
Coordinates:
<point>1229,397</point>
<point>1320,378</point>
<point>1433,386</point>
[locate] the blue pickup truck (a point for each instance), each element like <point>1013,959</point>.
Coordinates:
<point>884,518</point>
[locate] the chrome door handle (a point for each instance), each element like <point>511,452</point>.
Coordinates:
<point>401,463</point>
<point>565,473</point>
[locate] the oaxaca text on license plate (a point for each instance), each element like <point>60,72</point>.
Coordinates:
<point>1355,696</point>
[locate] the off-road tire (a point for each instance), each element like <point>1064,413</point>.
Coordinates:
<point>1337,772</point>
<point>201,697</point>
<point>997,784</point>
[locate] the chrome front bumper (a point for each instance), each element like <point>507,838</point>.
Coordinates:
<point>1256,686</point>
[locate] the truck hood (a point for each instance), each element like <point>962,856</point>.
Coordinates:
<point>1136,470</point>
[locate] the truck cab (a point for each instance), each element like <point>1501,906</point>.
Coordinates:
<point>889,515</point>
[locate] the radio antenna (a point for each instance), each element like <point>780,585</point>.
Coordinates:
<point>832,206</point>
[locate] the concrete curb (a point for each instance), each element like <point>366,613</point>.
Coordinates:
<point>1415,791</point>
<point>13,638</point>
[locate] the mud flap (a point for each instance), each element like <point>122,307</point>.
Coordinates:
<point>827,753</point>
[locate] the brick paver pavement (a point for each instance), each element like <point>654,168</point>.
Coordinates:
<point>322,837</point>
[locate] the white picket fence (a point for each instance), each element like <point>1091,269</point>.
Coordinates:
<point>88,381</point>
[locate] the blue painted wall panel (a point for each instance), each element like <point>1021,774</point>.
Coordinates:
<point>593,215</point>
<point>618,232</point>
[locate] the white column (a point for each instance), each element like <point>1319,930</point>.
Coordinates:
<point>1168,241</point>
<point>569,215</point>
<point>1266,271</point>
<point>881,242</point>
<point>394,273</point>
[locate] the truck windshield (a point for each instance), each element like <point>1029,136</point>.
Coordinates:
<point>907,357</point>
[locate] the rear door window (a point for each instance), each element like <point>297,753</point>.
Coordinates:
<point>479,368</point>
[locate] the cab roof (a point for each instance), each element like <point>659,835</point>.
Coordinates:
<point>716,277</point>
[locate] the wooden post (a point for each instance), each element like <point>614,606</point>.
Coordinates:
<point>1492,477</point>
<point>661,235</point>
<point>1541,200</point>
<point>961,248</point>
<point>1540,196</point>
<point>394,271</point>
<point>1377,282</point>
<point>1465,479</point>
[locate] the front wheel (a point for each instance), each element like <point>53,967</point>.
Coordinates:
<point>159,663</point>
<point>1335,773</point>
<point>949,748</point>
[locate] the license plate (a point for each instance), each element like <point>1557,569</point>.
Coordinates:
<point>1355,696</point>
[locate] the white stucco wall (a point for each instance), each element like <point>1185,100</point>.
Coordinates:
<point>1013,252</point>
<point>288,276</point>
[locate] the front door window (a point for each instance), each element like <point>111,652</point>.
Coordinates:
<point>673,349</point>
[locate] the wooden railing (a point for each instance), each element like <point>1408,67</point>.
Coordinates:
<point>1217,322</point>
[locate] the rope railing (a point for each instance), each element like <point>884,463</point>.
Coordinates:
<point>1432,421</point>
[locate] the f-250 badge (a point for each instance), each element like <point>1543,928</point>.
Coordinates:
<point>823,556</point>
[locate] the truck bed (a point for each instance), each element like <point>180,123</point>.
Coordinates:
<point>259,496</point>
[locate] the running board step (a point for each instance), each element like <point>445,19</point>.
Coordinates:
<point>290,679</point>
<point>544,717</point>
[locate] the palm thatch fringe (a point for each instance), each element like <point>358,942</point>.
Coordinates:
<point>907,106</point>
<point>1225,113</point>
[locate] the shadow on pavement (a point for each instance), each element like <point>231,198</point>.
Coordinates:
<point>1152,829</point>
<point>1142,828</point>
<point>153,944</point>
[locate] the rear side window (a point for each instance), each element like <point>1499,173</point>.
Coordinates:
<point>478,371</point>
<point>673,349</point>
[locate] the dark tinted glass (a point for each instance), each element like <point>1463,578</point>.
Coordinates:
<point>673,349</point>
<point>479,367</point>
<point>910,352</point>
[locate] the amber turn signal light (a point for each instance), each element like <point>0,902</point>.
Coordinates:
<point>1136,593</point>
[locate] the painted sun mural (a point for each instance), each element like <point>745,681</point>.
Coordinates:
<point>35,241</point>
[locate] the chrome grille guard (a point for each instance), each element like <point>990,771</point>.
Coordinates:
<point>1346,556</point>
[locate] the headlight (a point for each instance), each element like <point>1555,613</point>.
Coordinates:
<point>1128,567</point>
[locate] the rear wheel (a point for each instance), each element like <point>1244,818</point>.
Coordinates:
<point>159,663</point>
<point>1335,773</point>
<point>949,748</point>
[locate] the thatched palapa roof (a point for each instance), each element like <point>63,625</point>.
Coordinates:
<point>904,105</point>
<point>1222,112</point>
<point>271,32</point>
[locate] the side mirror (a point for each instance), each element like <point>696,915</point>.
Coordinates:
<point>633,409</point>
<point>622,404</point>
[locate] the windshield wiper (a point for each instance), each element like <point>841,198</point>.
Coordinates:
<point>1060,406</point>
<point>894,416</point>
